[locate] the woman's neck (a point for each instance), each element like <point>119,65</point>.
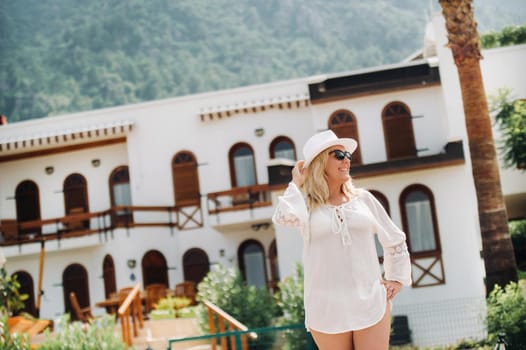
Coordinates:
<point>337,196</point>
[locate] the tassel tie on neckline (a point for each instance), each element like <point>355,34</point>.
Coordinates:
<point>339,225</point>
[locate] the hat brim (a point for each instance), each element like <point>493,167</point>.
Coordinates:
<point>349,144</point>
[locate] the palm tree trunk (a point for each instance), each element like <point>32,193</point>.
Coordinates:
<point>499,258</point>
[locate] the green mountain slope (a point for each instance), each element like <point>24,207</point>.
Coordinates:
<point>60,56</point>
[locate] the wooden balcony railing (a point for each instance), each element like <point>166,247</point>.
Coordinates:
<point>241,198</point>
<point>190,216</point>
<point>226,322</point>
<point>77,224</point>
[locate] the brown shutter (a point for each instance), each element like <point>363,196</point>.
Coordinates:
<point>186,184</point>
<point>343,124</point>
<point>398,131</point>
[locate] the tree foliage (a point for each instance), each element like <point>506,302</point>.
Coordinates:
<point>251,306</point>
<point>290,302</point>
<point>62,56</point>
<point>97,335</point>
<point>12,341</point>
<point>11,300</point>
<point>510,119</point>
<point>512,35</point>
<point>518,237</point>
<point>507,314</point>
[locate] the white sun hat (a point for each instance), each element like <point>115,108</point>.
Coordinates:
<point>323,140</point>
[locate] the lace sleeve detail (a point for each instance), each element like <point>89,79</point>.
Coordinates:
<point>291,210</point>
<point>286,219</point>
<point>397,251</point>
<point>397,264</point>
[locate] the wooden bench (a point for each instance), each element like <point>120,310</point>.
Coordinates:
<point>21,324</point>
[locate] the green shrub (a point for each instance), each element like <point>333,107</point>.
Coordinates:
<point>249,305</point>
<point>507,314</point>
<point>172,303</point>
<point>472,345</point>
<point>187,312</point>
<point>17,341</point>
<point>518,237</point>
<point>163,314</point>
<point>512,35</point>
<point>290,298</point>
<point>171,307</point>
<point>97,335</point>
<point>290,303</point>
<point>10,298</point>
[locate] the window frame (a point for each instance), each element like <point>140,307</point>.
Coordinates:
<point>241,259</point>
<point>191,163</point>
<point>436,234</point>
<point>392,137</point>
<point>119,218</point>
<point>343,128</point>
<point>231,160</point>
<point>277,140</point>
<point>27,192</point>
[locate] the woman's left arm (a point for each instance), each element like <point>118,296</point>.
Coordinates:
<point>397,263</point>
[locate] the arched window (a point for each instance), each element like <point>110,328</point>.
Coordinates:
<point>26,287</point>
<point>242,165</point>
<point>420,224</point>
<point>154,268</point>
<point>343,123</point>
<point>398,131</point>
<point>120,194</point>
<point>185,179</point>
<point>28,206</point>
<point>419,218</point>
<point>108,274</point>
<point>385,203</point>
<point>251,257</point>
<point>282,147</point>
<point>196,265</point>
<point>75,279</point>
<point>76,196</point>
<point>75,193</point>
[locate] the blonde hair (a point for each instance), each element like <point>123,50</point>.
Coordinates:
<point>316,190</point>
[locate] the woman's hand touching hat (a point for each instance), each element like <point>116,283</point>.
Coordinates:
<point>298,173</point>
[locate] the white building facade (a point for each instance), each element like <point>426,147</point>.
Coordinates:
<point>160,191</point>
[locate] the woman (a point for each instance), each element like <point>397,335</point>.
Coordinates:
<point>347,302</point>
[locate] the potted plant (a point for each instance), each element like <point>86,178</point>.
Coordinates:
<point>10,298</point>
<point>10,301</point>
<point>168,307</point>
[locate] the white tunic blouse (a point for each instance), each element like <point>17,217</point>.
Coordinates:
<point>342,288</point>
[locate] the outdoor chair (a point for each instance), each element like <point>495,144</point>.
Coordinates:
<point>81,314</point>
<point>154,292</point>
<point>186,289</point>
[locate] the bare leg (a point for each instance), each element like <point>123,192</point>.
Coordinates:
<point>375,337</point>
<point>339,341</point>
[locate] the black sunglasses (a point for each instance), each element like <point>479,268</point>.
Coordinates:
<point>341,155</point>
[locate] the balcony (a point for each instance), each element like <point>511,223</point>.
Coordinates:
<point>241,207</point>
<point>79,224</point>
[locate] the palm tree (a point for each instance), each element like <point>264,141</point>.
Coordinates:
<point>499,259</point>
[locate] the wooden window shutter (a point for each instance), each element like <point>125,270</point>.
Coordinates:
<point>398,131</point>
<point>186,181</point>
<point>343,124</point>
<point>28,205</point>
<point>75,193</point>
